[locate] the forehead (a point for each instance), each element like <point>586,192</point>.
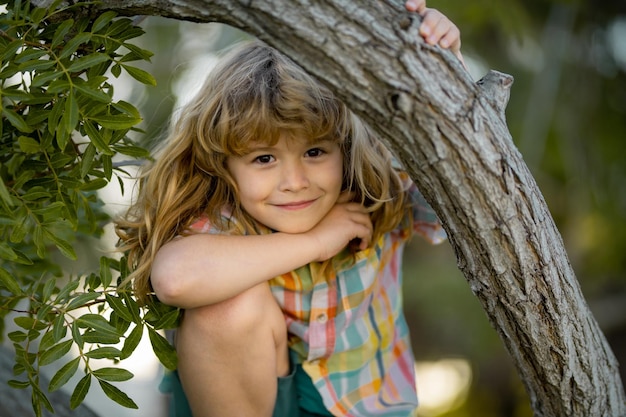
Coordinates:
<point>287,140</point>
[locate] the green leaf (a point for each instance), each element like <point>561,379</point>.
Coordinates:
<point>103,20</point>
<point>94,185</point>
<point>20,230</point>
<point>61,31</point>
<point>9,282</point>
<point>18,384</point>
<point>134,151</point>
<point>28,144</point>
<point>78,338</point>
<point>16,120</point>
<point>97,139</point>
<point>29,54</point>
<point>120,324</point>
<point>136,53</point>
<point>116,70</point>
<point>87,160</point>
<point>48,288</point>
<point>55,116</point>
<point>82,299</point>
<point>6,252</point>
<point>72,45</point>
<point>113,374</point>
<point>167,320</point>
<point>36,65</point>
<point>105,272</point>
<point>132,305</point>
<point>4,193</point>
<point>67,290</point>
<point>36,193</point>
<point>88,61</point>
<point>116,395</point>
<point>17,336</point>
<point>127,108</point>
<point>45,77</point>
<point>47,341</point>
<point>132,341</point>
<point>107,166</point>
<point>118,27</point>
<point>91,336</point>
<point>11,49</point>
<point>59,328</point>
<point>52,209</point>
<point>39,399</point>
<point>93,93</point>
<point>119,307</point>
<point>63,375</point>
<point>22,258</point>
<point>55,352</point>
<point>38,14</point>
<point>163,350</point>
<point>81,390</point>
<point>28,323</point>
<point>64,246</point>
<point>105,352</point>
<point>60,86</point>
<point>140,75</point>
<point>70,117</point>
<point>98,323</point>
<point>116,122</point>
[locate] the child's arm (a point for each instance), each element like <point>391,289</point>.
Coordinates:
<point>204,269</point>
<point>436,28</point>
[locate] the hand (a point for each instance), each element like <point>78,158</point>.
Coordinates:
<point>345,222</point>
<point>436,28</point>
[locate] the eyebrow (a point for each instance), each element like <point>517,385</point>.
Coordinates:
<point>261,148</point>
<point>268,148</point>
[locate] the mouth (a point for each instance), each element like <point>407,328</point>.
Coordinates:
<point>296,205</point>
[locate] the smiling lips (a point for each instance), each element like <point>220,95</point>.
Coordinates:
<point>296,205</point>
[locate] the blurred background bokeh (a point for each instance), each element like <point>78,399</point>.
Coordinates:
<point>567,115</point>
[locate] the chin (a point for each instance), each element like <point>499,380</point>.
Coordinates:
<point>294,229</point>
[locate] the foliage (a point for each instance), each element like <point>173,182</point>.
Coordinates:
<point>61,130</point>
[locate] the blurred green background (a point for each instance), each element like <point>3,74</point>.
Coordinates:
<point>567,115</point>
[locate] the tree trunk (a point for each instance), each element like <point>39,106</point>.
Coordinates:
<point>451,135</point>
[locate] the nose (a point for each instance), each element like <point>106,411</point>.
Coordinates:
<point>294,176</point>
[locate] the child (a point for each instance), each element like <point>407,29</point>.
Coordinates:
<point>275,218</point>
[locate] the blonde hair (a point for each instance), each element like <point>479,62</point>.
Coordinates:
<point>254,94</point>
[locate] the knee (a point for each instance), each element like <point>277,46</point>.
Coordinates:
<point>246,314</point>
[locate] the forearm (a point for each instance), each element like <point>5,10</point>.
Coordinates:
<point>204,269</point>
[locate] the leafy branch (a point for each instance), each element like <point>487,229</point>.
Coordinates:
<point>61,130</point>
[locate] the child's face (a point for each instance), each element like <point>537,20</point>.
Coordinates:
<point>290,186</point>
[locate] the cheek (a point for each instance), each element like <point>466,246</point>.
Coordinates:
<point>338,175</point>
<point>252,189</point>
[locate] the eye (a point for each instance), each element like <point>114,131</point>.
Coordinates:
<point>315,152</point>
<point>264,159</point>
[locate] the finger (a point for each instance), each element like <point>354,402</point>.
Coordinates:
<point>430,20</point>
<point>451,39</point>
<point>442,31</point>
<point>345,197</point>
<point>415,5</point>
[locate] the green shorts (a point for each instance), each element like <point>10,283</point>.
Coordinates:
<point>296,396</point>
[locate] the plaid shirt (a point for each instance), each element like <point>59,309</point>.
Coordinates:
<point>348,329</point>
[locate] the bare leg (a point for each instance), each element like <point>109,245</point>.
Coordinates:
<point>231,353</point>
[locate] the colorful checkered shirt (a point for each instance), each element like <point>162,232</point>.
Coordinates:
<point>348,329</point>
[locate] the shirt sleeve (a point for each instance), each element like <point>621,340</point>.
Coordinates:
<point>203,225</point>
<point>423,218</point>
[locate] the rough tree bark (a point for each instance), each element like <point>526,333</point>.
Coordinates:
<point>451,135</point>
